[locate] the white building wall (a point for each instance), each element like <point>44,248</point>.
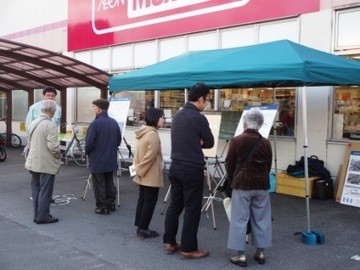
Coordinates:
<point>314,30</point>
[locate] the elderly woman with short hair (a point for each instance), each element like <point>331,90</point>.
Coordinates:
<point>250,196</point>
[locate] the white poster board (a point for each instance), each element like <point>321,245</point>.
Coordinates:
<point>118,109</point>
<point>351,190</point>
<point>214,121</point>
<point>269,113</point>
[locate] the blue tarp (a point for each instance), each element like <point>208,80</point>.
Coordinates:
<point>273,64</point>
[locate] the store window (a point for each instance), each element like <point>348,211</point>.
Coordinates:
<point>2,104</point>
<point>170,102</point>
<point>19,105</point>
<point>84,98</point>
<point>233,102</point>
<point>173,100</point>
<point>140,102</point>
<point>346,122</point>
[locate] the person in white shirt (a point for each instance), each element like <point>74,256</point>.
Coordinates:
<point>49,93</point>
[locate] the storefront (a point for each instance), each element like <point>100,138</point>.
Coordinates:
<point>120,36</point>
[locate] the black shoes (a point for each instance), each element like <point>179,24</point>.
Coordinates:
<point>146,234</point>
<point>105,211</point>
<point>48,221</point>
<point>259,257</point>
<point>239,260</point>
<point>112,208</point>
<point>102,211</point>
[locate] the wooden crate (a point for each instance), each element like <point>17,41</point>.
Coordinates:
<point>286,184</point>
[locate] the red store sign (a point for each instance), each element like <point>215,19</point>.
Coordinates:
<point>97,23</point>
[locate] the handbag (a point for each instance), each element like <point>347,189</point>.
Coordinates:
<point>227,206</point>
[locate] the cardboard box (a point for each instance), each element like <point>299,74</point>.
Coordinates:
<point>286,184</point>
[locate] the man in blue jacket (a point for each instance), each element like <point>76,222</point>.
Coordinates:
<point>102,141</point>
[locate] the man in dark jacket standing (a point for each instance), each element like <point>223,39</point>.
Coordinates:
<point>190,133</point>
<point>102,141</point>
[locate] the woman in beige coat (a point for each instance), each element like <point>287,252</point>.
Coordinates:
<point>43,161</point>
<point>148,166</point>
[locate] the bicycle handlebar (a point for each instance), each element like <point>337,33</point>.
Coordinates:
<point>74,123</point>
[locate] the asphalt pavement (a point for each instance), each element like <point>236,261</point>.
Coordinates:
<point>84,240</point>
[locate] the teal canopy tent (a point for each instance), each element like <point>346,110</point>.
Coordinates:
<point>274,64</point>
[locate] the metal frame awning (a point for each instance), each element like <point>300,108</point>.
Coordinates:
<point>26,67</point>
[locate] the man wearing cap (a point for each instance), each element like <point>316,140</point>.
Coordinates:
<point>102,141</point>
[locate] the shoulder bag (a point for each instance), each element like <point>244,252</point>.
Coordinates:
<point>228,180</point>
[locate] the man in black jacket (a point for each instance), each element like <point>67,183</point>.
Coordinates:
<point>190,133</point>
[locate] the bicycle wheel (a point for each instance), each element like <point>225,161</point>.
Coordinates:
<point>15,140</point>
<point>78,153</point>
<point>2,154</point>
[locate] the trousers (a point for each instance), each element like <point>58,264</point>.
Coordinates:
<point>187,185</point>
<point>145,206</point>
<point>104,189</point>
<point>42,186</point>
<point>253,205</point>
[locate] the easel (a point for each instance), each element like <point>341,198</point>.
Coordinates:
<point>167,196</point>
<point>166,161</point>
<point>118,174</point>
<point>212,193</point>
<point>209,178</point>
<point>217,161</point>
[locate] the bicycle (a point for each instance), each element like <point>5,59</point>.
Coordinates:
<point>76,147</point>
<point>2,152</point>
<point>15,139</point>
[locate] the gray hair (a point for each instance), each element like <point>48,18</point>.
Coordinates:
<point>48,106</point>
<point>254,119</point>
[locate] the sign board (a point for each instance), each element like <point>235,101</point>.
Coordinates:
<point>214,121</point>
<point>118,110</point>
<point>109,22</point>
<point>340,181</point>
<point>351,190</point>
<point>269,116</point>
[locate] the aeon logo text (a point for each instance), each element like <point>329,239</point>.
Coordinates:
<point>109,4</point>
<point>138,8</point>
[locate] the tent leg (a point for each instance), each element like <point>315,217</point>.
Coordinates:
<point>274,128</point>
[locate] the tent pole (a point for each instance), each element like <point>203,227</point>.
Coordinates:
<point>274,128</point>
<point>304,111</point>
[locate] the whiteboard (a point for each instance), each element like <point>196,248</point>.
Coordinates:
<point>269,113</point>
<point>119,109</point>
<point>214,121</point>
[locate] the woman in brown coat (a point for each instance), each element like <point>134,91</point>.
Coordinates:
<point>148,166</point>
